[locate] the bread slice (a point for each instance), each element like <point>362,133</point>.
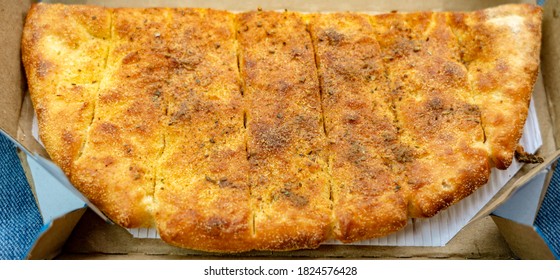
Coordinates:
<point>285,141</point>
<point>65,64</point>
<point>116,169</point>
<point>202,189</point>
<point>500,48</point>
<point>363,140</point>
<point>446,159</point>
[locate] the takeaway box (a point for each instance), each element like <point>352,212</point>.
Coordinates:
<point>62,206</point>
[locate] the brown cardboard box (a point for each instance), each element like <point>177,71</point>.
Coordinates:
<point>94,238</point>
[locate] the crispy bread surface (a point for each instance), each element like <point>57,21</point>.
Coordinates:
<point>202,192</point>
<point>277,130</point>
<point>360,125</point>
<point>290,184</point>
<point>443,152</point>
<point>65,64</point>
<point>500,47</point>
<point>116,169</point>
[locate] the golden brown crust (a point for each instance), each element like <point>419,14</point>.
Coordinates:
<point>285,141</point>
<point>216,128</point>
<point>64,63</point>
<point>500,48</point>
<point>116,169</point>
<point>367,200</point>
<point>202,192</point>
<point>436,120</point>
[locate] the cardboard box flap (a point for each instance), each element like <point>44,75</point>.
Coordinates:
<point>53,235</point>
<point>526,198</point>
<point>54,200</point>
<point>530,247</point>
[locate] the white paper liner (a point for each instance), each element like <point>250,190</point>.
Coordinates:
<point>438,230</point>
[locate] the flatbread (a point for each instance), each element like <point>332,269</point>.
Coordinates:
<point>202,189</point>
<point>500,48</point>
<point>360,126</point>
<point>431,95</point>
<point>278,130</point>
<point>285,141</point>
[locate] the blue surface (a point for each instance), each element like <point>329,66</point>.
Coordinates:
<point>547,222</point>
<point>20,220</point>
